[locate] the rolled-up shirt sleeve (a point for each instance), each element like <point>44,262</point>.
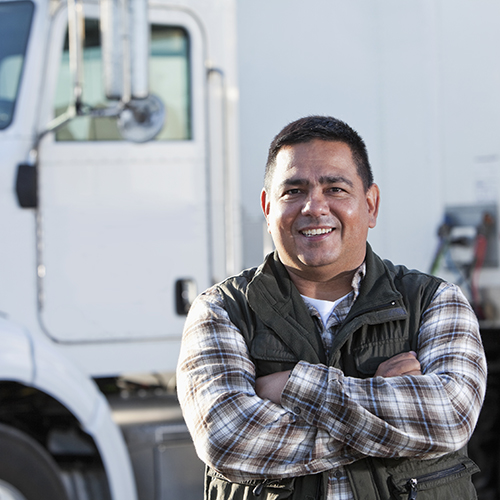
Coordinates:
<point>423,416</point>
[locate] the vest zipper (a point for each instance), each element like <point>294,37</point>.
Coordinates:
<point>341,338</point>
<point>412,484</point>
<point>387,305</point>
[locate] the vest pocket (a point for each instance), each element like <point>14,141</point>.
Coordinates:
<point>368,357</point>
<point>268,347</point>
<point>448,479</point>
<point>269,354</point>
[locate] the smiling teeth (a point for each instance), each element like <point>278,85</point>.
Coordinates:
<point>314,232</point>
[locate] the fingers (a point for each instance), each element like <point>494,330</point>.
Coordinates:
<point>405,363</point>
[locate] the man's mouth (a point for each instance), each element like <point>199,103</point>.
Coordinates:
<point>316,232</point>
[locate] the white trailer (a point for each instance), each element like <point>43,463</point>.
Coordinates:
<point>105,240</point>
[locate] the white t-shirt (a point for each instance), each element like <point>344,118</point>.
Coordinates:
<point>324,307</point>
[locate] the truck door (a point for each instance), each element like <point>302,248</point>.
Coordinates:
<point>120,223</point>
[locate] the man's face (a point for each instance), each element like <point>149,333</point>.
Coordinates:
<point>317,210</point>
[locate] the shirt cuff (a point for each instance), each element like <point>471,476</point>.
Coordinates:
<point>306,390</point>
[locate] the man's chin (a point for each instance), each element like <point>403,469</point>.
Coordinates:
<point>316,262</point>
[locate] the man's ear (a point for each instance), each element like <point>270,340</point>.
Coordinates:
<point>265,205</point>
<point>373,201</point>
<point>264,202</point>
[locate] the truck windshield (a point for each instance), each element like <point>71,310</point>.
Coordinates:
<point>15,22</point>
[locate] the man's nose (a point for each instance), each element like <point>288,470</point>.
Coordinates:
<point>316,205</point>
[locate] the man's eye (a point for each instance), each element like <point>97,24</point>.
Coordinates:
<point>292,191</point>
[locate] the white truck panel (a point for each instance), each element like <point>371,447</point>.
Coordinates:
<point>16,356</point>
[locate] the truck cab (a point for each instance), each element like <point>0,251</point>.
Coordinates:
<point>108,236</point>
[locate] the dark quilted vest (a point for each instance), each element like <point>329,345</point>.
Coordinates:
<point>384,321</point>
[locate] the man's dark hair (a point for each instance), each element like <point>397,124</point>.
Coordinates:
<point>324,128</point>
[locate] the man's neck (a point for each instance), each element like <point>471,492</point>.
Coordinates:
<point>331,289</point>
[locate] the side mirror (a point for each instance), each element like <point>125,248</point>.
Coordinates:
<point>142,119</point>
<point>125,57</point>
<point>125,48</point>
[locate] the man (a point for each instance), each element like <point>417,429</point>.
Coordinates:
<point>328,373</point>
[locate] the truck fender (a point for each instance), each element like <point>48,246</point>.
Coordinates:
<point>30,359</point>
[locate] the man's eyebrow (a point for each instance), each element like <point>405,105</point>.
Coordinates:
<point>335,179</point>
<point>294,181</point>
<point>327,179</point>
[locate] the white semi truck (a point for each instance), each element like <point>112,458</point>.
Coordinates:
<point>117,204</point>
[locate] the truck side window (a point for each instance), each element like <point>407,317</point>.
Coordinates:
<point>169,73</point>
<point>15,22</point>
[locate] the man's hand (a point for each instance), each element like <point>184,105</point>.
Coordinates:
<point>271,386</point>
<point>405,363</point>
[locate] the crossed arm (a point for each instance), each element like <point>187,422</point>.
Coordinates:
<point>271,386</point>
<point>317,419</point>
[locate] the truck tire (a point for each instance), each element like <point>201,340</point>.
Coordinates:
<point>27,469</point>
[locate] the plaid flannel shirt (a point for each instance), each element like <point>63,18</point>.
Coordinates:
<point>245,437</point>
